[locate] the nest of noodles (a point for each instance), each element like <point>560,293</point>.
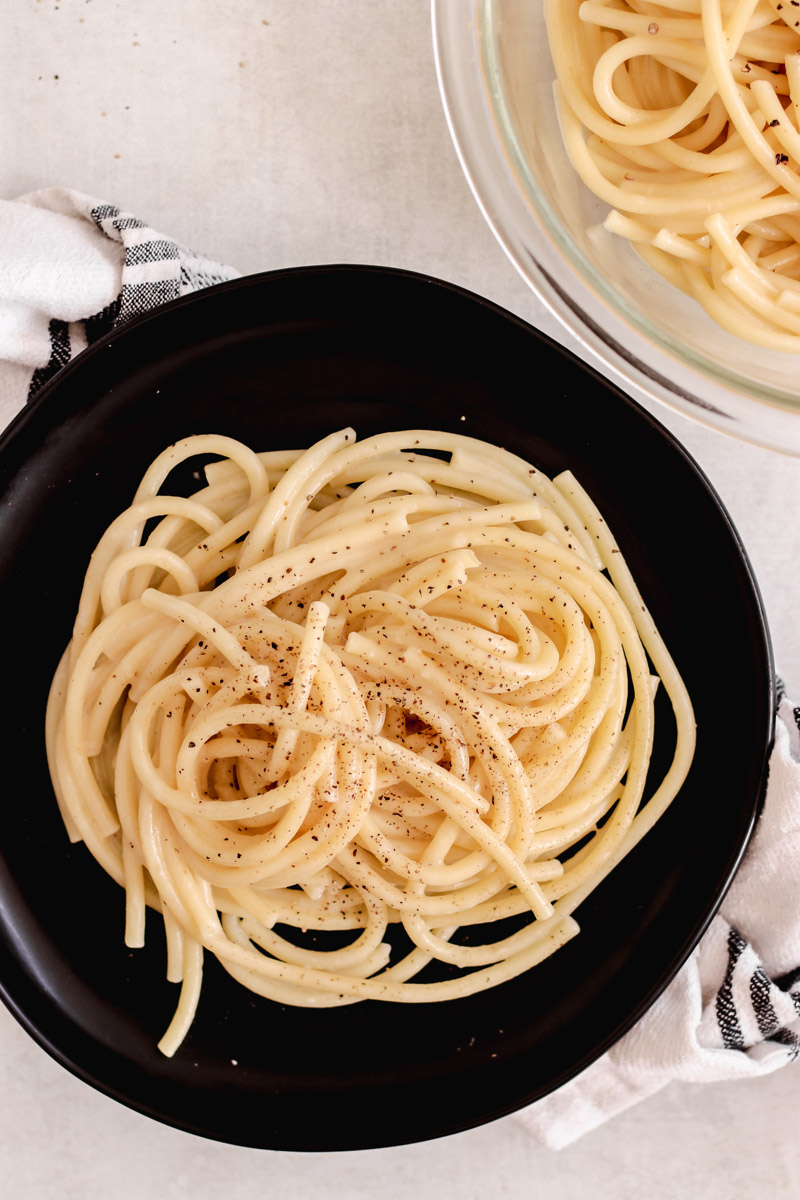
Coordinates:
<point>399,684</point>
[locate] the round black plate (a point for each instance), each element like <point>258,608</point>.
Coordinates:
<point>281,359</point>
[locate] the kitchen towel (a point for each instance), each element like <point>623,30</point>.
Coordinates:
<point>73,268</point>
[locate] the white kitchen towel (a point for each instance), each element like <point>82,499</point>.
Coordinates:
<point>72,268</point>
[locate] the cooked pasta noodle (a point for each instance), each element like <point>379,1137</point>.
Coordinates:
<point>684,117</point>
<point>398,686</point>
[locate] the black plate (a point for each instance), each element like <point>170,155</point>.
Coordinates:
<point>278,360</point>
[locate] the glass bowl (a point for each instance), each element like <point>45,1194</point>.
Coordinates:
<point>496,81</point>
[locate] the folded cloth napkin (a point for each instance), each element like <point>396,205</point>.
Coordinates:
<point>72,268</point>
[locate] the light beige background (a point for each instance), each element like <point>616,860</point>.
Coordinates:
<point>271,133</point>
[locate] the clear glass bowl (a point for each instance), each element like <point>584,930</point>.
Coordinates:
<point>496,80</point>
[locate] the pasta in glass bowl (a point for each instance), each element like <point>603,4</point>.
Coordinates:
<point>669,251</point>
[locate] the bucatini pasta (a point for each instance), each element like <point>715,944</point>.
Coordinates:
<point>403,682</point>
<point>684,117</point>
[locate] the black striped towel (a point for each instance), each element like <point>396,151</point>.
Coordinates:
<point>73,268</point>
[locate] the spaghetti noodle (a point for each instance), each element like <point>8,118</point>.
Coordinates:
<point>404,684</point>
<point>684,117</point>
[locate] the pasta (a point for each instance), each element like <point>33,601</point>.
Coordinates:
<point>684,117</point>
<point>342,704</point>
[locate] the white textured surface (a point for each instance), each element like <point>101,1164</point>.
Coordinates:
<point>272,133</point>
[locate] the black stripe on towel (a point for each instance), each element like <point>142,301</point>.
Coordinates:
<point>142,297</point>
<point>103,322</point>
<point>156,250</point>
<point>59,356</point>
<point>727,1017</point>
<point>102,212</point>
<point>760,988</point>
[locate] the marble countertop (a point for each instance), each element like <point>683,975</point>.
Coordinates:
<point>267,134</point>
